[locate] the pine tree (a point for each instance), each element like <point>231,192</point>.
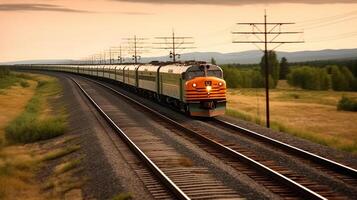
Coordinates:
<point>284,68</point>
<point>273,67</point>
<point>348,76</point>
<point>339,81</point>
<point>213,61</point>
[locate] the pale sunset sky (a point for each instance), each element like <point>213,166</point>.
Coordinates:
<point>73,29</point>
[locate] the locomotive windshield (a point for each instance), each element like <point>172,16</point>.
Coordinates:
<point>215,73</point>
<point>194,74</point>
<point>199,71</point>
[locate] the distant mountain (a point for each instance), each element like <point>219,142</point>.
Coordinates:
<point>251,57</point>
<point>245,57</point>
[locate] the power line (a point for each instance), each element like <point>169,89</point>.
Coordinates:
<point>324,19</point>
<point>119,51</point>
<point>266,29</point>
<point>136,47</point>
<point>327,23</point>
<point>334,37</point>
<point>174,43</point>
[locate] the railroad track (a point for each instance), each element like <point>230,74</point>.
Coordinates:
<point>183,181</point>
<point>345,173</point>
<point>277,179</point>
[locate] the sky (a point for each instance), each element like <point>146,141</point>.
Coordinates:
<point>77,29</point>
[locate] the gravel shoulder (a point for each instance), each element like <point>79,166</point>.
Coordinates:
<point>107,172</point>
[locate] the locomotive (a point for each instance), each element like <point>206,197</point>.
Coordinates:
<point>196,88</point>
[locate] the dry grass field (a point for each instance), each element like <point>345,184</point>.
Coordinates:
<point>21,96</point>
<point>311,115</point>
<point>13,102</point>
<point>16,162</point>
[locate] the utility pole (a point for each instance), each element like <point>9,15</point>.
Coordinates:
<point>273,33</point>
<point>120,57</point>
<point>136,47</point>
<point>104,57</point>
<point>110,55</point>
<point>173,43</point>
<point>116,51</point>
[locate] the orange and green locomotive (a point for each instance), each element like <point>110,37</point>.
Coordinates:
<point>196,88</point>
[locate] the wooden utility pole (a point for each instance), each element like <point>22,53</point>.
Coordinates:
<point>256,31</point>
<point>116,51</point>
<point>173,43</point>
<point>137,47</point>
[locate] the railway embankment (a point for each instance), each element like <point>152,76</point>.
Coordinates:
<point>38,158</point>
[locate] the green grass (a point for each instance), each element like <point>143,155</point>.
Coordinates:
<point>4,71</point>
<point>8,78</point>
<point>8,81</point>
<point>28,127</point>
<point>60,152</point>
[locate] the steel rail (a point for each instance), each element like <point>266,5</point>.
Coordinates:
<point>300,189</point>
<point>153,167</point>
<point>335,166</point>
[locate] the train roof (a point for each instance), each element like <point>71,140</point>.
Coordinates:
<point>179,69</point>
<point>148,67</point>
<point>176,68</point>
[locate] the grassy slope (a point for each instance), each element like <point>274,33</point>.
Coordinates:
<point>33,124</point>
<point>23,99</point>
<point>308,114</point>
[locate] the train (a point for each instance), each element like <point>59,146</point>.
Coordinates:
<point>197,89</point>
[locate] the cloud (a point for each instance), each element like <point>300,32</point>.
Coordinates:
<point>38,7</point>
<point>237,2</point>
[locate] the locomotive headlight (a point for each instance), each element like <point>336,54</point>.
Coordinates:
<point>220,83</point>
<point>208,88</point>
<point>194,85</point>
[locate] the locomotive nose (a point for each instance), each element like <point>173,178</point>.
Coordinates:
<point>205,88</point>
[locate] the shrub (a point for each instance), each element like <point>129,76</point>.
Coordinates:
<point>24,84</point>
<point>347,104</point>
<point>41,83</point>
<point>27,129</point>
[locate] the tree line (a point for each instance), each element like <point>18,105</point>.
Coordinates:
<point>315,77</point>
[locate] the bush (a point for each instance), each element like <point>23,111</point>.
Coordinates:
<point>24,84</point>
<point>347,104</point>
<point>27,129</point>
<point>41,83</point>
